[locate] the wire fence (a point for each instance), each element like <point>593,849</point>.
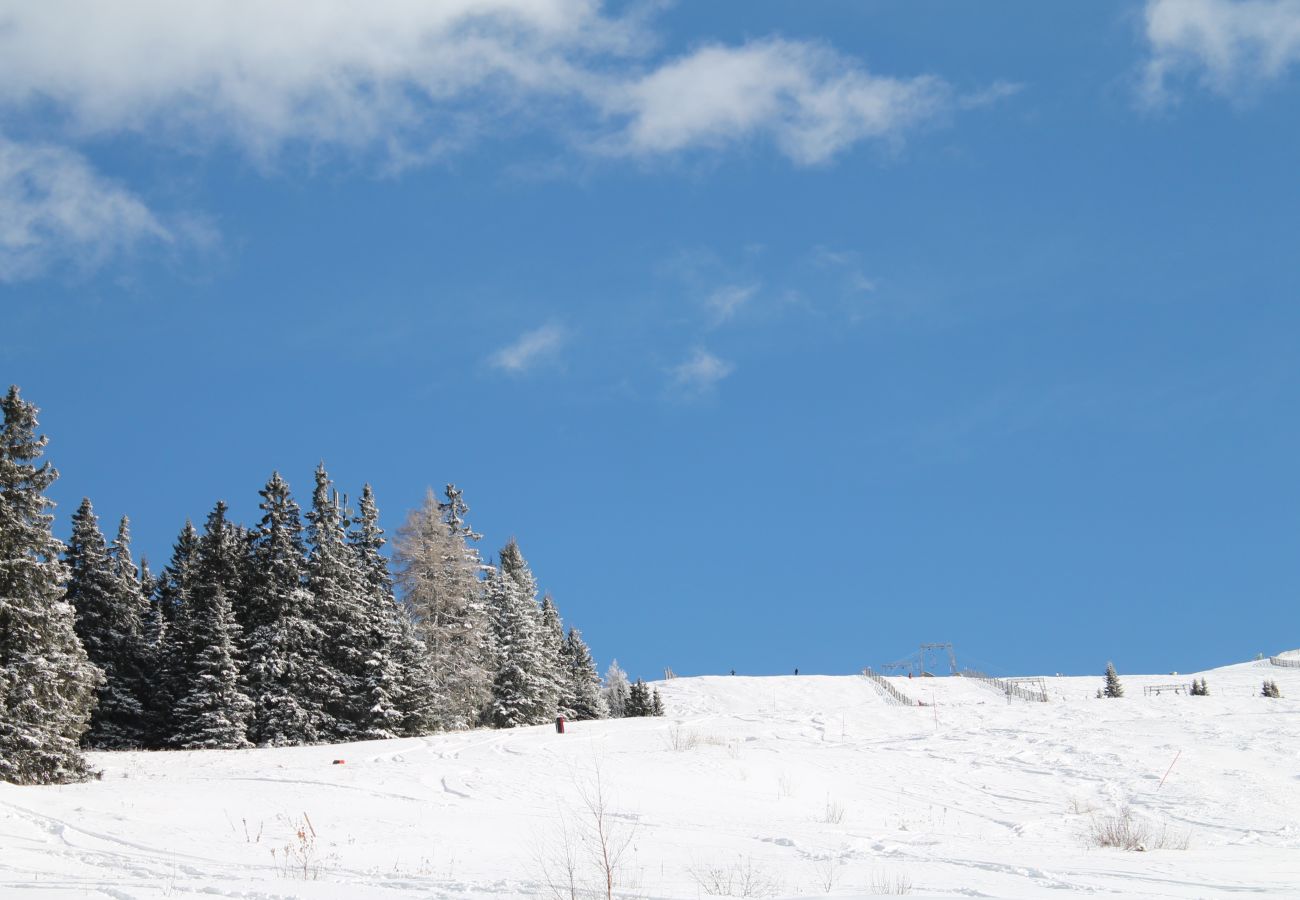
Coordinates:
<point>1031,690</point>
<point>891,694</point>
<point>1290,659</point>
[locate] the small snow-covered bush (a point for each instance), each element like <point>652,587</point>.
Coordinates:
<point>834,813</point>
<point>1127,832</point>
<point>886,884</point>
<point>740,879</point>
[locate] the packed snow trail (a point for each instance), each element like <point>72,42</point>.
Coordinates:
<point>780,786</point>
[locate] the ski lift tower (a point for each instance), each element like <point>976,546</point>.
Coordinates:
<point>934,650</point>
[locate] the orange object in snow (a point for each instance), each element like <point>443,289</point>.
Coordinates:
<point>559,724</point>
<point>339,762</point>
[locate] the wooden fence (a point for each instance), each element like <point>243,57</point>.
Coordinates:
<point>1031,690</point>
<point>888,691</point>
<point>1157,689</point>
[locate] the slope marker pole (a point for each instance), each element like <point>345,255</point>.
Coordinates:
<point>1170,769</point>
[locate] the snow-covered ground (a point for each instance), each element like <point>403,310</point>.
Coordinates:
<point>762,786</point>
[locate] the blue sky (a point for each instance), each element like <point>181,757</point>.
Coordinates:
<point>778,334</point>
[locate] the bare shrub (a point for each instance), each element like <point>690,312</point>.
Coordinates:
<point>834,812</point>
<point>887,884</point>
<point>1127,832</point>
<point>784,785</point>
<point>826,872</point>
<point>298,857</point>
<point>591,839</point>
<point>558,861</point>
<point>1079,806</point>
<point>681,739</point>
<point>740,879</point>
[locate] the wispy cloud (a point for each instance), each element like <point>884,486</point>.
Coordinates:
<point>1230,47</point>
<point>809,100</point>
<point>725,302</point>
<point>55,208</point>
<point>530,350</point>
<point>700,372</point>
<point>849,264</point>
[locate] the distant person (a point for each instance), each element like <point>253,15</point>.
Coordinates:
<point>796,671</point>
<point>733,671</point>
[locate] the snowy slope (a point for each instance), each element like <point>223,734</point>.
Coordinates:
<point>761,785</point>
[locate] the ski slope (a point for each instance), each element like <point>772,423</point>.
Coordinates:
<point>777,786</point>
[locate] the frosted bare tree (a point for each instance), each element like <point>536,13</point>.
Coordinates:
<point>439,574</point>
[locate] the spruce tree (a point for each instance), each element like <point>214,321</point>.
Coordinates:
<point>172,600</point>
<point>656,703</point>
<point>616,691</point>
<point>554,671</point>
<point>638,700</point>
<point>519,689</point>
<point>285,663</point>
<point>154,643</point>
<point>212,712</point>
<point>582,697</point>
<point>47,683</point>
<point>531,643</point>
<point>438,570</point>
<point>1113,687</point>
<point>385,679</point>
<point>104,590</point>
<point>334,579</point>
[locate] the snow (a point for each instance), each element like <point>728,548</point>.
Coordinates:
<point>966,796</point>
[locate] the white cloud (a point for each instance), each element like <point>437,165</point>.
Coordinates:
<point>531,349</point>
<point>403,82</point>
<point>810,101</point>
<point>725,302</point>
<point>701,371</point>
<point>385,73</point>
<point>1230,47</point>
<point>54,207</point>
<point>412,80</point>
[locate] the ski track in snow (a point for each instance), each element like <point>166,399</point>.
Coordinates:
<point>788,777</point>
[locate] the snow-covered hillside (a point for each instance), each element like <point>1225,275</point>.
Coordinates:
<point>753,786</point>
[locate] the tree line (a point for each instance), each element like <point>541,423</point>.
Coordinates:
<point>287,632</point>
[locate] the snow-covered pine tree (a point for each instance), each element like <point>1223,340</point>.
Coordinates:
<point>656,703</point>
<point>47,683</point>
<point>1271,690</point>
<point>1113,688</point>
<point>334,579</point>
<point>638,700</point>
<point>521,639</point>
<point>616,691</point>
<point>108,623</point>
<point>582,697</point>
<point>112,631</point>
<point>1200,687</point>
<point>136,663</point>
<point>153,633</point>
<point>285,663</point>
<point>213,712</point>
<point>422,696</point>
<point>519,688</point>
<point>384,680</point>
<point>438,570</point>
<point>171,598</point>
<point>554,670</point>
